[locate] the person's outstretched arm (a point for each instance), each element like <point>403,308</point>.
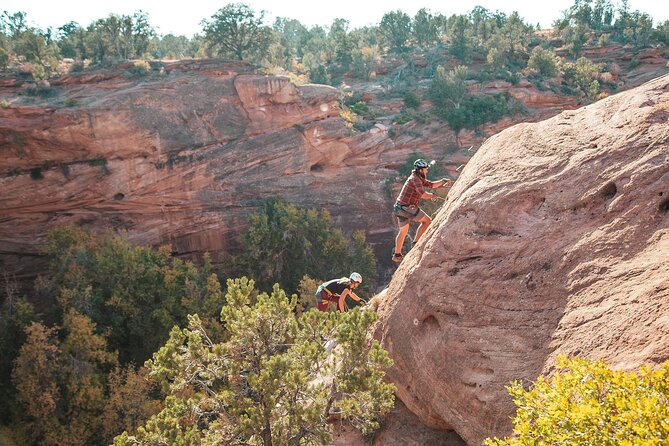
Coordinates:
<point>342,299</point>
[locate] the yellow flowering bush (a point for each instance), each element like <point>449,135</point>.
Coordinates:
<point>587,403</point>
<point>349,118</point>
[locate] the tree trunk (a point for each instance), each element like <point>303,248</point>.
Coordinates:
<point>267,433</point>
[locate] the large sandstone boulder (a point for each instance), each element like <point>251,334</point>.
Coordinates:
<point>554,240</point>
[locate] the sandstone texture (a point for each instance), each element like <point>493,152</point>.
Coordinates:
<point>399,428</point>
<point>183,157</point>
<point>554,240</point>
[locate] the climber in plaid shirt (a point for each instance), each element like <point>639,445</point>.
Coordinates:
<point>406,207</point>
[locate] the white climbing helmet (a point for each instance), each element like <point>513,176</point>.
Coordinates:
<point>420,163</point>
<point>356,277</point>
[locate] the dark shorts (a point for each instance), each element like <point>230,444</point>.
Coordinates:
<point>407,214</point>
<point>323,299</point>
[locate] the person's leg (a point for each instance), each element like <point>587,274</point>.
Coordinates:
<point>424,223</point>
<point>401,235</point>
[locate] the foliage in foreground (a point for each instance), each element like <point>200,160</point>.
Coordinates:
<point>588,403</point>
<point>272,382</point>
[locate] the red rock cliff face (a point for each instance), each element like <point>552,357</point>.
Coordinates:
<point>555,239</point>
<point>184,158</point>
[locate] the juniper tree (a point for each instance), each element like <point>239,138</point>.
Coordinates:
<point>237,31</point>
<point>395,30</point>
<point>272,382</point>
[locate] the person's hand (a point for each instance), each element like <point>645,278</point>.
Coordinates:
<point>447,182</point>
<point>430,195</point>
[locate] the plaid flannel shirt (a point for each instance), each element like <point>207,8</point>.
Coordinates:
<point>413,189</point>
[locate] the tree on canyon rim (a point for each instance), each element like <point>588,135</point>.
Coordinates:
<point>237,31</point>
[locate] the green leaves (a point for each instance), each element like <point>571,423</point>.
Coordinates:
<point>137,293</point>
<point>395,30</point>
<point>272,380</point>
<point>236,31</point>
<point>60,377</point>
<point>544,61</point>
<point>285,242</point>
<point>448,88</point>
<point>583,75</point>
<point>453,102</point>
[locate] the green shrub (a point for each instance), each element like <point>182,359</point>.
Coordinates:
<point>77,67</point>
<point>544,61</point>
<point>365,61</point>
<point>135,294</point>
<point>41,91</point>
<point>662,32</point>
<point>354,109</point>
<point>448,88</point>
<point>403,118</point>
<point>285,242</point>
<point>583,74</point>
<point>604,39</point>
<point>4,58</point>
<point>305,294</point>
<point>424,117</point>
<point>350,98</point>
<point>593,89</point>
<point>349,118</point>
<point>298,79</point>
<point>474,111</point>
<point>272,382</point>
<point>5,104</point>
<point>319,75</point>
<point>15,315</point>
<point>588,403</point>
<point>411,99</point>
<point>496,59</point>
<point>360,108</point>
<point>489,74</point>
<point>39,73</point>
<point>362,126</point>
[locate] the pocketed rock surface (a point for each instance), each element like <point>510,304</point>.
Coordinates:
<point>554,240</point>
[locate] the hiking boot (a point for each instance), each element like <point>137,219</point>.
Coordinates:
<point>397,257</point>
